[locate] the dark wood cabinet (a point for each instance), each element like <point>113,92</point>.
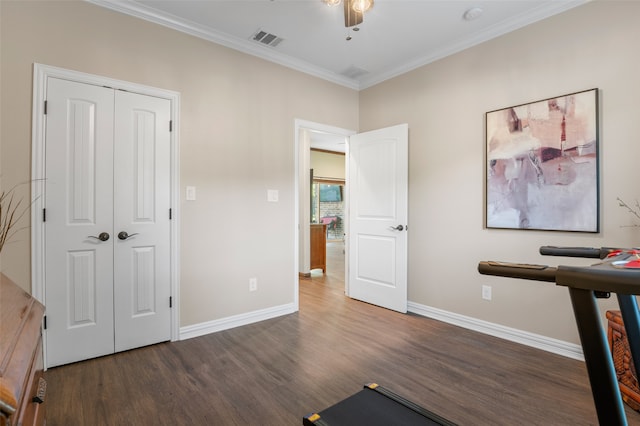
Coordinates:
<point>22,385</point>
<point>318,237</point>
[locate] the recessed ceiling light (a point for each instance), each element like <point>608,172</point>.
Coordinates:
<point>473,13</point>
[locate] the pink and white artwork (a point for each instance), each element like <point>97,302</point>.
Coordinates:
<point>542,165</point>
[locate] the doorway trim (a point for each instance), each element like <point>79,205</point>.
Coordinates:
<point>40,75</point>
<point>302,166</point>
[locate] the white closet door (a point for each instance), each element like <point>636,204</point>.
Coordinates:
<point>141,182</point>
<point>107,229</point>
<point>79,206</point>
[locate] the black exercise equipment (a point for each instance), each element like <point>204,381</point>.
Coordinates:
<point>589,252</point>
<point>618,273</point>
<point>627,302</point>
<point>375,406</point>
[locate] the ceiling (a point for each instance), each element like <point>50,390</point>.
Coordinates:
<point>327,141</point>
<point>395,37</point>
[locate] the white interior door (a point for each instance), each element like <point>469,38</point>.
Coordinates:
<point>141,257</point>
<point>378,213</point>
<point>79,206</point>
<point>107,171</point>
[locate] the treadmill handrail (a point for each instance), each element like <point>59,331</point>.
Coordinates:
<point>588,252</point>
<point>600,277</point>
<point>518,270</point>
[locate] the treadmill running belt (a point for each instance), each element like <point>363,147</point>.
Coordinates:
<point>372,407</point>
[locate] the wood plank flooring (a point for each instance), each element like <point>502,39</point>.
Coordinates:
<point>276,371</point>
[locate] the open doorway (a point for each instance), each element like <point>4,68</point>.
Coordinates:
<point>321,153</point>
<point>376,213</point>
<point>327,223</point>
<point>328,190</point>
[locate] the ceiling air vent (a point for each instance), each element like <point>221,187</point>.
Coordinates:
<point>354,72</point>
<point>266,38</point>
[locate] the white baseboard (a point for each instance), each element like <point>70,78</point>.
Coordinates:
<point>544,343</point>
<point>548,344</point>
<point>203,328</point>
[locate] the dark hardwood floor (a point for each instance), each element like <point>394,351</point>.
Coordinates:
<point>276,371</point>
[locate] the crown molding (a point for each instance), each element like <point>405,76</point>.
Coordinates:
<point>188,27</point>
<point>502,28</point>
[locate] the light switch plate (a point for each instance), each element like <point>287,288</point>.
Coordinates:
<point>190,193</point>
<point>272,195</point>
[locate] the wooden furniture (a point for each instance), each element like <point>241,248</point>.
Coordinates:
<point>318,236</point>
<point>22,386</point>
<point>625,371</point>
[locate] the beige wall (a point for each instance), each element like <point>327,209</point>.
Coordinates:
<point>444,104</point>
<point>327,165</point>
<point>236,141</point>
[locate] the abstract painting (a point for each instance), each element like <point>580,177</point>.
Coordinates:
<point>542,165</point>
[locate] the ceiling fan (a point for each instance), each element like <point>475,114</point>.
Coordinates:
<point>353,12</point>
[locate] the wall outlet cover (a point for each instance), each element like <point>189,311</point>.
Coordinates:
<point>486,292</point>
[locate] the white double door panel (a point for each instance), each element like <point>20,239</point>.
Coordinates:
<point>378,212</point>
<point>107,171</point>
<point>142,287</point>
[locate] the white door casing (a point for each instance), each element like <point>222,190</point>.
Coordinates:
<point>378,216</point>
<point>156,258</point>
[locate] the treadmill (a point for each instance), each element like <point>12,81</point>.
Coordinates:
<point>375,406</point>
<point>618,271</point>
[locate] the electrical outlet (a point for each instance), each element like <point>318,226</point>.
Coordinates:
<point>253,284</point>
<point>486,292</point>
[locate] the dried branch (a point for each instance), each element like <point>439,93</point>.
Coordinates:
<point>635,210</point>
<point>10,214</point>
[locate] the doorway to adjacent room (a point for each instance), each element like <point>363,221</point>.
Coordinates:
<point>327,175</point>
<point>376,175</point>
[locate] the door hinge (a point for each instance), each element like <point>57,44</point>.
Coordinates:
<point>170,213</point>
<point>171,125</point>
<point>45,107</point>
<point>171,301</point>
<point>44,322</point>
<point>44,215</point>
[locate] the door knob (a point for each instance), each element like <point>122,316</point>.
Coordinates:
<point>123,235</point>
<point>104,236</point>
<point>397,228</point>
